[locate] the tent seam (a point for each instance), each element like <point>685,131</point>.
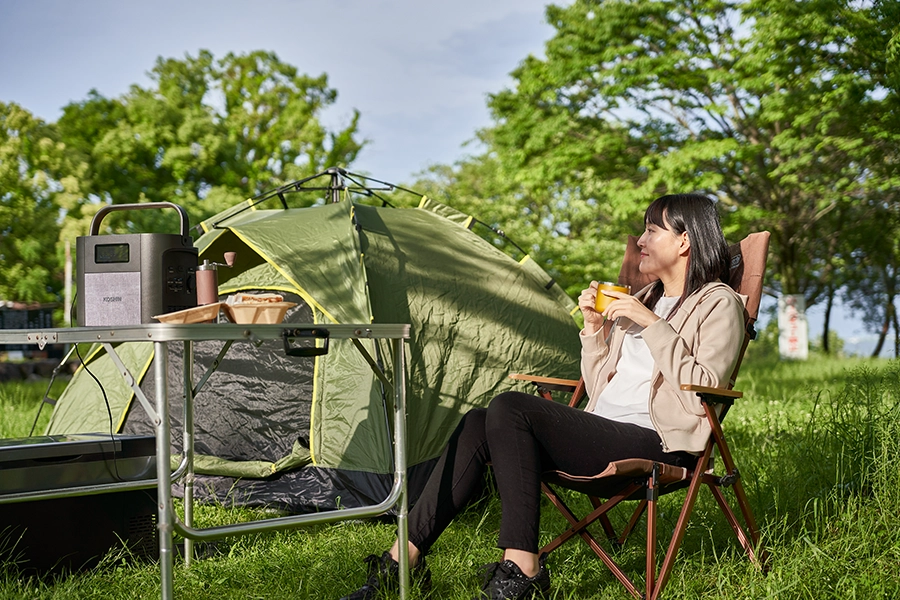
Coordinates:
<point>276,288</point>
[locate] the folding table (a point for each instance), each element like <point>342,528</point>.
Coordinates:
<point>161,335</point>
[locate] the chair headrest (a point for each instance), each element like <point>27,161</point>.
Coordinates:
<point>630,272</point>
<point>748,268</point>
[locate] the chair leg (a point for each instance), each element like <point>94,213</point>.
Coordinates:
<point>632,522</point>
<point>652,497</point>
<point>576,526</point>
<point>618,540</point>
<point>750,543</point>
<point>580,527</point>
<point>687,508</point>
<point>728,462</point>
<point>609,530</point>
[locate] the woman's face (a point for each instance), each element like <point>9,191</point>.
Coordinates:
<point>663,252</point>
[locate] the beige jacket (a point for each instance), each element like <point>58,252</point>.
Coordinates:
<point>699,344</point>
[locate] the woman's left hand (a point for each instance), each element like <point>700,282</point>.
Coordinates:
<point>629,307</point>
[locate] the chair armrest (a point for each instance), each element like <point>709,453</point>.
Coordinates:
<point>711,391</point>
<point>551,383</point>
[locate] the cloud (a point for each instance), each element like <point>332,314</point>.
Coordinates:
<point>484,51</point>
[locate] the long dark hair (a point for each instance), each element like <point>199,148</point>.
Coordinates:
<point>695,214</point>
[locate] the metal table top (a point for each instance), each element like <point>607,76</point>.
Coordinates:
<point>160,332</point>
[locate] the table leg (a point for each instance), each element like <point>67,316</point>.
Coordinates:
<point>188,433</point>
<point>163,470</point>
<point>400,465</point>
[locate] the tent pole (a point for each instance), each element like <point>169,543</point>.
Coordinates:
<point>337,184</point>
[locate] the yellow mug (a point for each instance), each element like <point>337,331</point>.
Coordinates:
<point>602,299</point>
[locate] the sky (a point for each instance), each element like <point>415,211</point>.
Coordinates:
<point>418,71</point>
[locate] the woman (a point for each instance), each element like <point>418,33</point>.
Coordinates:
<point>686,327</point>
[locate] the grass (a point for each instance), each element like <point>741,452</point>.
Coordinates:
<point>19,402</point>
<point>814,441</point>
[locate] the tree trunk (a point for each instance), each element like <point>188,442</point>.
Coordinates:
<point>896,333</point>
<point>829,304</point>
<point>885,326</point>
<point>892,308</point>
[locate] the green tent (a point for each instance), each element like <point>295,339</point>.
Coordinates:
<point>313,433</point>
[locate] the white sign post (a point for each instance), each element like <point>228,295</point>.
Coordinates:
<point>793,330</point>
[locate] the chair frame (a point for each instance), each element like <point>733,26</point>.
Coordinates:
<point>652,479</point>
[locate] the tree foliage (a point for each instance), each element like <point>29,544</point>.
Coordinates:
<point>206,135</point>
<point>29,227</point>
<point>784,110</point>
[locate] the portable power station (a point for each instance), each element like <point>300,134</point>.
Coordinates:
<point>128,279</point>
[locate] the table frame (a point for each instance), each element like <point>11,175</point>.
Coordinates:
<point>161,335</point>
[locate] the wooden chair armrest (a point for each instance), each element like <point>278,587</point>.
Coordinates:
<point>711,391</point>
<point>552,383</point>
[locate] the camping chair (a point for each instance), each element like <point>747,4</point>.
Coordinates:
<point>645,480</point>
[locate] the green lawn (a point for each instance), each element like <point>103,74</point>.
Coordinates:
<point>815,444</point>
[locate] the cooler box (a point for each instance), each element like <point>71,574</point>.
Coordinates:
<point>72,533</point>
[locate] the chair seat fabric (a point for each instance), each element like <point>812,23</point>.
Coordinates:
<point>618,474</point>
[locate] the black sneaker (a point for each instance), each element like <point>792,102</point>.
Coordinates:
<point>505,581</point>
<point>384,576</point>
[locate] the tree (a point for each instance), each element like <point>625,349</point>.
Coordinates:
<point>855,137</point>
<point>775,107</point>
<point>29,267</point>
<point>206,135</point>
<point>877,264</point>
<point>873,273</point>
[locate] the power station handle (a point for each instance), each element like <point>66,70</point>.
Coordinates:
<point>95,222</point>
<point>322,334</point>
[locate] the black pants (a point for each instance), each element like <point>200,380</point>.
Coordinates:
<point>522,436</point>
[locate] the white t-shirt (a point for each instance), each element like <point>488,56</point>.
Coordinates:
<point>626,398</point>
